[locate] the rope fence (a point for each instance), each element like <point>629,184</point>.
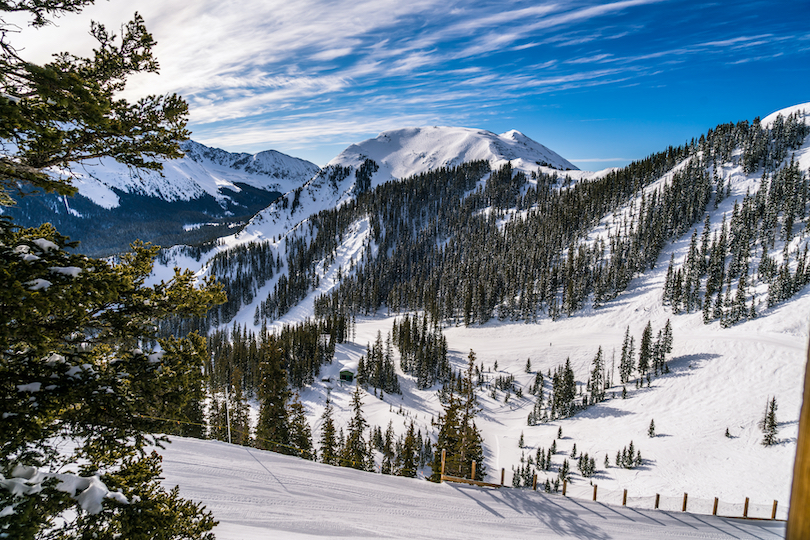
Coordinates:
<point>591,492</point>
<point>737,509</point>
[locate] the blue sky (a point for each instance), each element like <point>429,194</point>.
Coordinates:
<point>601,83</point>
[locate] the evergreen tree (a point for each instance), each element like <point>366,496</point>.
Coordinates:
<point>645,350</point>
<point>47,112</point>
<point>626,360</point>
<point>75,352</point>
<point>329,446</point>
<point>598,377</point>
<point>769,424</point>
<point>408,457</point>
<point>355,450</point>
<point>239,413</point>
<point>273,427</point>
<point>300,432</point>
<point>651,429</point>
<point>458,434</point>
<point>75,362</point>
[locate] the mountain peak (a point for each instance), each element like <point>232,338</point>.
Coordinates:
<point>414,150</point>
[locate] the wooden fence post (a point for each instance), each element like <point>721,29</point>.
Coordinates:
<point>594,492</point>
<point>444,456</point>
<point>714,510</point>
<point>798,525</point>
<point>472,474</point>
<point>502,473</point>
<point>534,482</point>
<point>657,500</point>
<point>624,498</point>
<point>745,508</point>
<point>773,512</point>
<point>565,484</point>
<point>684,503</point>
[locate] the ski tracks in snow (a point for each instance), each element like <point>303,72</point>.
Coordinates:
<point>287,497</point>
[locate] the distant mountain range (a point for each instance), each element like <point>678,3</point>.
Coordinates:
<point>196,198</point>
<point>210,192</point>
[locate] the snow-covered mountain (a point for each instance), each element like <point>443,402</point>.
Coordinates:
<point>399,154</point>
<point>405,152</point>
<point>202,171</point>
<point>195,198</point>
<point>706,410</point>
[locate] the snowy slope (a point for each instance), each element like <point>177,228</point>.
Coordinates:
<point>257,495</point>
<point>720,379</point>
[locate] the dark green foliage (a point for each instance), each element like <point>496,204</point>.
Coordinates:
<point>768,424</point>
<point>363,175</point>
<point>300,432</point>
<point>597,383</point>
<point>423,350</point>
<point>773,211</point>
<point>626,363</point>
<point>628,457</point>
<point>76,335</point>
<point>466,280</point>
<point>564,474</point>
<point>376,368</point>
<point>586,465</point>
<point>273,427</point>
<point>645,350</point>
<point>328,443</point>
<point>458,434</point>
<point>153,513</point>
<point>77,338</point>
<point>303,348</point>
<point>355,452</point>
<point>564,389</point>
<point>68,110</point>
<point>408,458</point>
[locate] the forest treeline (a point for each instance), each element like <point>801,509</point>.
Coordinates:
<point>465,244</point>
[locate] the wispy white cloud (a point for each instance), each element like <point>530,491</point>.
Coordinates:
<point>251,68</point>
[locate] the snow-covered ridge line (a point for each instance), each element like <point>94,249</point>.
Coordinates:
<point>201,171</point>
<point>410,151</point>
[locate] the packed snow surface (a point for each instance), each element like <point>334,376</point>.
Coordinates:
<point>257,495</point>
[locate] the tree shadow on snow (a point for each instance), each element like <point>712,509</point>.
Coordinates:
<point>563,516</point>
<point>602,411</point>
<point>680,366</point>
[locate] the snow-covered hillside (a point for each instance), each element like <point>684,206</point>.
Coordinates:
<point>719,381</point>
<point>399,154</point>
<point>258,495</point>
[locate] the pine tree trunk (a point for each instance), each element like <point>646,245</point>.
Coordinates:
<point>798,526</point>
